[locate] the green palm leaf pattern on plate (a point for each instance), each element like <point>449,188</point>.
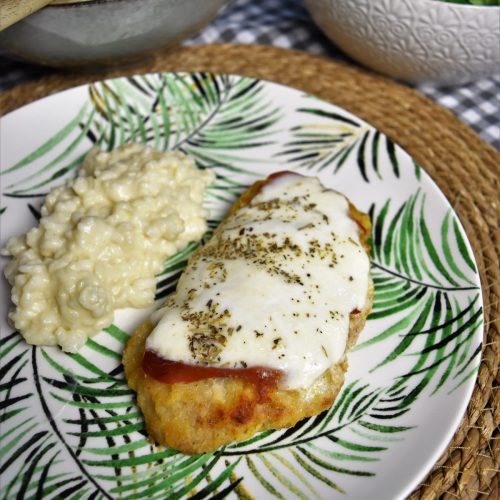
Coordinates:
<point>331,142</point>
<point>418,284</point>
<point>70,426</point>
<point>207,116</point>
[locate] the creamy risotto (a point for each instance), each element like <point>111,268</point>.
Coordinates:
<point>100,242</point>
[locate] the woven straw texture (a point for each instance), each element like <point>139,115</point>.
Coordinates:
<point>465,168</point>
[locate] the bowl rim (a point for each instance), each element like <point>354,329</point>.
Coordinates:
<point>76,4</point>
<point>72,4</point>
<point>461,6</point>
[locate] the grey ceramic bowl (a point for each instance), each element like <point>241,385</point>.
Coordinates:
<point>104,32</point>
<point>415,40</point>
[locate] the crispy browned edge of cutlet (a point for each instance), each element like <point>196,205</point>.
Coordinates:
<point>201,416</point>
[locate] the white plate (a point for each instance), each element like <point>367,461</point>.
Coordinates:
<point>69,424</point>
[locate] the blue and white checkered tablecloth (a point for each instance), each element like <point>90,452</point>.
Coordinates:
<point>286,23</point>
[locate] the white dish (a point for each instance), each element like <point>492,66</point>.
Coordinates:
<point>419,41</point>
<point>70,424</point>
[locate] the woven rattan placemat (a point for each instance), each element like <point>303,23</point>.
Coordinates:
<point>465,168</point>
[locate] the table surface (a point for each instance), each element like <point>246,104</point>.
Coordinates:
<point>286,23</point>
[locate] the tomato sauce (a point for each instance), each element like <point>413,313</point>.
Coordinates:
<point>175,372</point>
<point>279,174</point>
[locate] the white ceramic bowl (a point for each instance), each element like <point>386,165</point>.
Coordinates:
<point>417,41</point>
<point>104,32</point>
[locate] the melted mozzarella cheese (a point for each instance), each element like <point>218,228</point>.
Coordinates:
<point>273,288</point>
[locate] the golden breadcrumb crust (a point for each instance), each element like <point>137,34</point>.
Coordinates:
<point>200,416</point>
